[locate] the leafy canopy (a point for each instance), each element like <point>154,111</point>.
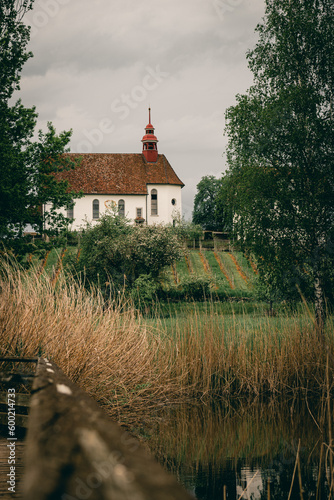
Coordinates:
<point>115,253</point>
<point>280,149</point>
<point>27,167</point>
<point>205,203</point>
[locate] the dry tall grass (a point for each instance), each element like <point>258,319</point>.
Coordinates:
<point>126,364</point>
<point>109,352</point>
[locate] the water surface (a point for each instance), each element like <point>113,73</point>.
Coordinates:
<point>255,449</point>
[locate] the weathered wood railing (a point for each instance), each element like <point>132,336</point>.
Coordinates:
<point>75,451</point>
<point>18,372</point>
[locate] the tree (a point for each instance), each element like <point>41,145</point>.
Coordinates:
<point>223,211</point>
<point>205,202</point>
<point>280,150</point>
<point>27,168</point>
<point>116,253</point>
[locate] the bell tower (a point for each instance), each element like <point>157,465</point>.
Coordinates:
<point>150,142</point>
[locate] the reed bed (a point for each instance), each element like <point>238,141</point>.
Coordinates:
<point>127,362</point>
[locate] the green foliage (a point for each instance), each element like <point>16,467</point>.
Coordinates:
<point>280,183</point>
<point>116,253</point>
<point>20,248</point>
<point>144,290</point>
<point>45,159</point>
<point>197,287</point>
<point>14,37</point>
<point>223,209</point>
<point>27,168</point>
<point>186,230</point>
<point>205,204</point>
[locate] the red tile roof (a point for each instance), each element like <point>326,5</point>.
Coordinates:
<point>108,173</point>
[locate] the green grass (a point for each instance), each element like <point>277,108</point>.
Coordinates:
<point>228,318</point>
<point>219,277</point>
<point>182,268</point>
<point>219,283</point>
<point>52,260</point>
<point>246,266</point>
<point>232,271</point>
<point>197,263</point>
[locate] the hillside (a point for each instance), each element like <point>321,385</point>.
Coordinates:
<point>218,273</point>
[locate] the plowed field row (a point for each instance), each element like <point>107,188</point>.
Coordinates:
<point>227,271</point>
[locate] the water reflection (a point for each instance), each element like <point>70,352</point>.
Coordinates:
<point>258,450</point>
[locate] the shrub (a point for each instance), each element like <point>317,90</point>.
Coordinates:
<point>144,290</point>
<point>116,253</point>
<point>196,287</point>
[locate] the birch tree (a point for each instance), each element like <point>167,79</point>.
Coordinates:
<point>280,150</point>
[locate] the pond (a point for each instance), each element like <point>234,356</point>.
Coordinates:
<point>250,450</point>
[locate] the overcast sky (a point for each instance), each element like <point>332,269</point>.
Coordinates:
<point>99,64</point>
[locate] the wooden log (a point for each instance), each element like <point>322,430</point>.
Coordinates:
<point>75,451</point>
<point>19,360</point>
<point>20,399</point>
<point>20,420</point>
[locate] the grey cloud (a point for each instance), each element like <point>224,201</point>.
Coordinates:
<point>89,54</point>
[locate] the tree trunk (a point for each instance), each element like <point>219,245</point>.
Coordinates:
<point>319,303</point>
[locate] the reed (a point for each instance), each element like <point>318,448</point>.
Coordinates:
<point>128,362</point>
<point>109,352</point>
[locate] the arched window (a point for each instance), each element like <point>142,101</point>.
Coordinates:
<point>154,202</point>
<point>96,209</point>
<point>121,208</point>
<point>70,210</point>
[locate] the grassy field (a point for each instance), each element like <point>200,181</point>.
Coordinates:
<point>181,352</point>
<point>228,273</point>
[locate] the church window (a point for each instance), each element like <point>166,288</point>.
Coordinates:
<point>121,208</point>
<point>173,201</point>
<point>70,211</point>
<point>139,212</point>
<point>96,209</point>
<point>154,202</point>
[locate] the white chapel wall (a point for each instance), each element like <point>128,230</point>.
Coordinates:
<point>169,205</point>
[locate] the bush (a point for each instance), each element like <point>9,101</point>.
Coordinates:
<point>191,288</point>
<point>144,290</point>
<point>21,247</point>
<point>116,253</point>
<point>196,287</point>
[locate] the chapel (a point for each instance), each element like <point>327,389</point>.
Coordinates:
<point>142,187</point>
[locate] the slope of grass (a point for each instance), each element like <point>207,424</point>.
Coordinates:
<point>193,265</point>
<point>246,266</point>
<point>196,263</point>
<point>219,277</point>
<point>237,280</point>
<point>52,260</point>
<point>182,268</point>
